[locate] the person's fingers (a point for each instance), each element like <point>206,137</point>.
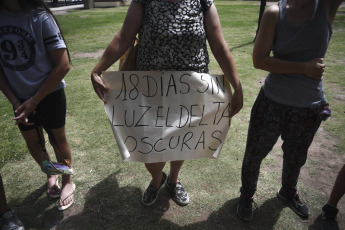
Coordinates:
<point>99,87</point>
<point>234,110</point>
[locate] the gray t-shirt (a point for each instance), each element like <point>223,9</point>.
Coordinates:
<point>25,42</point>
<point>172,36</point>
<point>299,43</point>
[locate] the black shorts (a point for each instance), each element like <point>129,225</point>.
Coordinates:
<point>50,112</point>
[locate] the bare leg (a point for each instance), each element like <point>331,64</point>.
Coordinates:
<point>338,189</point>
<point>62,152</point>
<point>155,169</point>
<point>33,143</point>
<point>35,148</point>
<point>175,167</point>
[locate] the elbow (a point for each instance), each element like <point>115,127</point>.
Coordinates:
<point>257,63</point>
<point>66,68</point>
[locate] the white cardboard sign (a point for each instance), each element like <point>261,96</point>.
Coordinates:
<point>167,116</point>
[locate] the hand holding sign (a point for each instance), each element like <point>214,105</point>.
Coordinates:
<point>168,116</point>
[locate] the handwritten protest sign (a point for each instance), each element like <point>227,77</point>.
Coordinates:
<point>167,116</point>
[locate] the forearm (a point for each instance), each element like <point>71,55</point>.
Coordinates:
<point>278,66</point>
<point>111,54</point>
<point>5,89</point>
<point>227,64</point>
<point>313,68</point>
<point>52,81</point>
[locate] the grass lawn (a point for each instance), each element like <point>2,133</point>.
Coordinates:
<point>108,193</point>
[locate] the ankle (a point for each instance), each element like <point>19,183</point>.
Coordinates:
<point>288,192</point>
<point>156,182</point>
<point>49,177</point>
<point>329,211</point>
<point>66,179</point>
<point>247,196</point>
<point>172,179</point>
<point>331,205</point>
<point>171,185</point>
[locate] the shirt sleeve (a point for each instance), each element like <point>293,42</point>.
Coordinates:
<point>52,36</point>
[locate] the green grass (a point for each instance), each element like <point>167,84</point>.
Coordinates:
<point>109,191</point>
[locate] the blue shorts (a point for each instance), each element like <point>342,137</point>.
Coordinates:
<point>50,112</point>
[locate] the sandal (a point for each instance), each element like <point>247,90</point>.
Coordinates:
<point>64,207</point>
<point>53,190</point>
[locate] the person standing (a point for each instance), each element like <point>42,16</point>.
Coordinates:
<point>172,36</point>
<point>33,62</point>
<point>291,103</point>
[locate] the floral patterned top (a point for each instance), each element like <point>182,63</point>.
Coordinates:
<point>172,36</point>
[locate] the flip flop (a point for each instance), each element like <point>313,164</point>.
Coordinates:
<point>62,208</point>
<point>54,194</point>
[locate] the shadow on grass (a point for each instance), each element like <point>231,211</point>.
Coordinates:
<point>108,206</point>
<point>240,46</point>
<point>35,210</point>
<point>264,217</point>
<point>317,224</point>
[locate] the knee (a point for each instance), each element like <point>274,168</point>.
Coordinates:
<point>34,147</point>
<point>297,159</point>
<point>254,155</point>
<point>59,140</point>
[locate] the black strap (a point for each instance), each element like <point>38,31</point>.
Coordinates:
<point>40,141</point>
<point>51,137</point>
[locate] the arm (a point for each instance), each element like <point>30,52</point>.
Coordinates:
<point>60,69</point>
<point>5,89</point>
<point>120,43</point>
<point>331,7</point>
<point>263,46</point>
<point>223,56</point>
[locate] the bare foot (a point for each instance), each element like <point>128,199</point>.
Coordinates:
<point>53,188</point>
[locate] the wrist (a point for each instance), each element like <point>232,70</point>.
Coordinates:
<point>304,68</point>
<point>96,72</point>
<point>238,88</point>
<point>16,104</point>
<point>34,101</point>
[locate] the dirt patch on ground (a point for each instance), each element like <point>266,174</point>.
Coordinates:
<point>96,54</point>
